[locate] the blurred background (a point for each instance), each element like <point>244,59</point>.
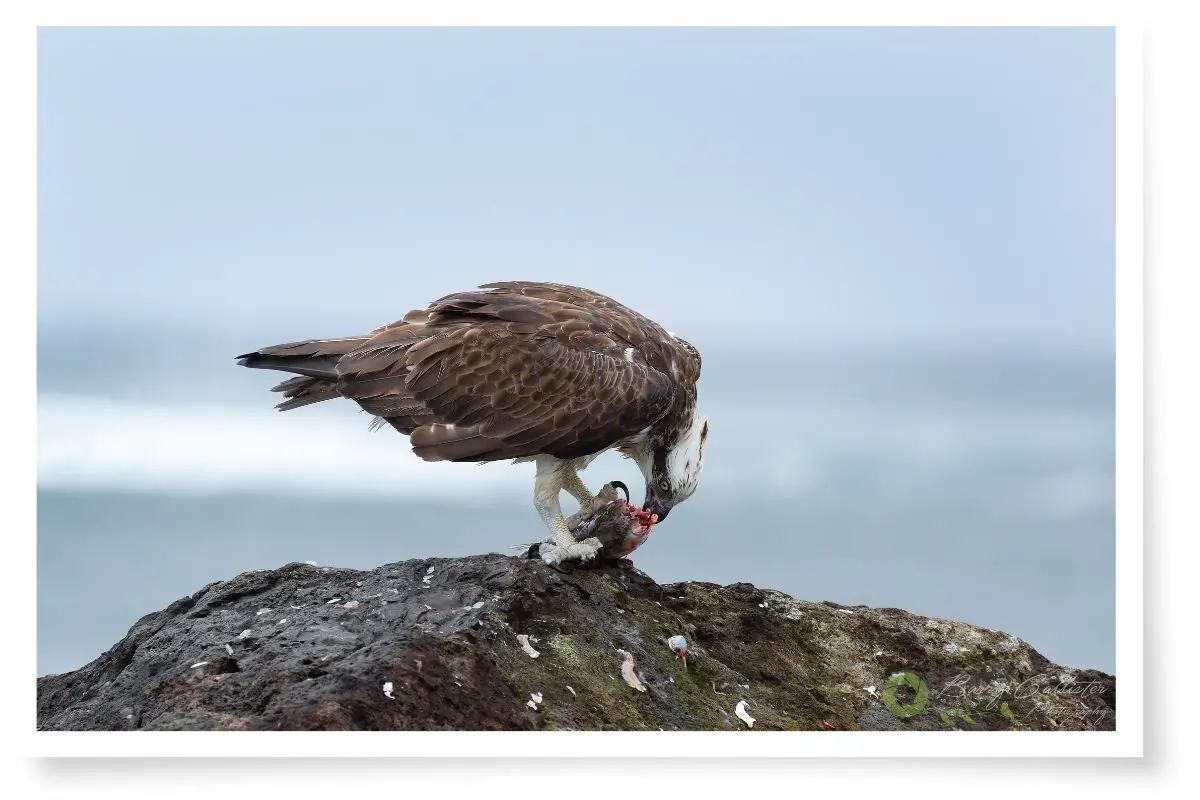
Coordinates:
<point>893,247</point>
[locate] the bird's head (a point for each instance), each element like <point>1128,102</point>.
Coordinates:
<point>675,469</point>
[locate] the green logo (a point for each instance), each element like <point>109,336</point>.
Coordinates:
<point>905,710</point>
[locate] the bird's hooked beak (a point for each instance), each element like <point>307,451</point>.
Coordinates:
<point>655,504</point>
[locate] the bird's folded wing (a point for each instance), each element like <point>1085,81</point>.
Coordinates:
<point>497,392</point>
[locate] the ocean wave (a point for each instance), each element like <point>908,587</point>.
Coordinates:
<point>103,444</point>
<point>1058,462</point>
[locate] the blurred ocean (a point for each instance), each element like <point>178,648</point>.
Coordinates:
<point>976,486</point>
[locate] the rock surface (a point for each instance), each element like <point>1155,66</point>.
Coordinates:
<point>434,645</point>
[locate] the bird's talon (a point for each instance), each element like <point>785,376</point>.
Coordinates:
<point>579,551</point>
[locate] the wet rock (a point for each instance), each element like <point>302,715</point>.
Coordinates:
<point>438,650</point>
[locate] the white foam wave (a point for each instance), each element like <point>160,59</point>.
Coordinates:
<point>104,444</point>
<point>97,443</point>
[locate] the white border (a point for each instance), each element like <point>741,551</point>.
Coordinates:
<point>626,745</point>
<point>1129,387</point>
<point>516,13</point>
<point>1127,740</point>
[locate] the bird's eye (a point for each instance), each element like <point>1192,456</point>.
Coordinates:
<point>664,485</point>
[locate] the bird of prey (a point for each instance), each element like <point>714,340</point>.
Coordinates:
<point>526,371</point>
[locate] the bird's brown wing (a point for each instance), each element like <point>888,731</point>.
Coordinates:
<point>503,394</point>
<point>486,377</point>
<point>652,342</point>
<point>374,375</point>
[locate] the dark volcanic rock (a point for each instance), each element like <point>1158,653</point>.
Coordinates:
<point>433,645</point>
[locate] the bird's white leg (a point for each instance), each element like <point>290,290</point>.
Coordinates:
<point>575,486</point>
<point>552,474</point>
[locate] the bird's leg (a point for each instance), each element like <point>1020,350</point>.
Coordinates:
<point>575,486</point>
<point>551,477</point>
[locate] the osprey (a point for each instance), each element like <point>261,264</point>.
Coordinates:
<point>525,371</point>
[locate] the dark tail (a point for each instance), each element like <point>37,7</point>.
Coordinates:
<point>315,361</point>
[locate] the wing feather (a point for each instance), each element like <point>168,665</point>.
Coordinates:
<point>556,398</point>
<point>511,371</point>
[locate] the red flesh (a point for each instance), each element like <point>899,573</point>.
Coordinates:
<point>640,514</point>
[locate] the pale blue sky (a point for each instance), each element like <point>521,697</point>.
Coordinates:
<point>832,185</point>
<point>812,188</point>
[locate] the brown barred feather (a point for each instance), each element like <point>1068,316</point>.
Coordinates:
<point>515,370</point>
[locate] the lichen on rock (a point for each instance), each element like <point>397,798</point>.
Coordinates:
<point>444,642</point>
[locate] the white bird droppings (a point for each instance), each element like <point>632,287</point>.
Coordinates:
<point>741,713</point>
<point>334,600</point>
<point>534,700</point>
<point>572,691</point>
<point>387,690</point>
<point>526,646</point>
<point>199,664</point>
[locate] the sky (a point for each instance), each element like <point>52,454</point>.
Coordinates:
<point>854,202</point>
<point>928,187</point>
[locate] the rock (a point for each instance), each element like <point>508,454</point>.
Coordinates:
<point>438,650</point>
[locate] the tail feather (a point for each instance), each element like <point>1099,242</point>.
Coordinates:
<point>314,360</point>
<point>303,391</point>
<point>321,368</point>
